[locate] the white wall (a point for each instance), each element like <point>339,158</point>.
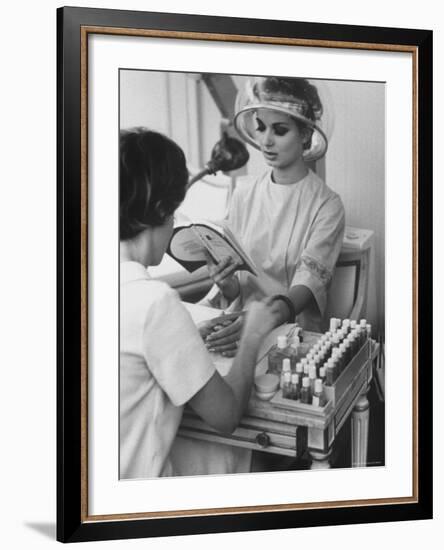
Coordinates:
<point>28,322</point>
<point>355,168</point>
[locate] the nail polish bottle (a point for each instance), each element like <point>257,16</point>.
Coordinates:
<point>306,391</point>
<point>286,367</point>
<point>295,386</point>
<point>286,388</point>
<point>319,399</point>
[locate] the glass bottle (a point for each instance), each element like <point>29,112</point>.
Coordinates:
<point>295,386</point>
<point>330,372</point>
<point>277,354</point>
<point>368,328</point>
<point>319,399</point>
<point>300,369</point>
<point>297,351</point>
<point>306,391</point>
<point>286,387</point>
<point>286,367</point>
<point>312,376</point>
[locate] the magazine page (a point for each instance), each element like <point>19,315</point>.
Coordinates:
<point>190,243</point>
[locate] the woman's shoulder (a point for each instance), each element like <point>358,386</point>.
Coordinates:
<point>162,291</point>
<point>318,187</point>
<point>154,293</point>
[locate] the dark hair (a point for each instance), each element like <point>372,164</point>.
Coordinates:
<point>291,89</point>
<point>152,180</point>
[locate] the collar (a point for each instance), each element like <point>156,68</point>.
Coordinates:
<point>288,185</point>
<point>132,271</point>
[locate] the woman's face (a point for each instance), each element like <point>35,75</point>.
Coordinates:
<point>280,140</point>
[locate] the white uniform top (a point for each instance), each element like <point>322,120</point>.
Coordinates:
<point>293,233</point>
<point>163,363</point>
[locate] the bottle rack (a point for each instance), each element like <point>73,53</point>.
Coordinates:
<point>358,367</point>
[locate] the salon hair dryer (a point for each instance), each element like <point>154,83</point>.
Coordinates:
<point>228,154</point>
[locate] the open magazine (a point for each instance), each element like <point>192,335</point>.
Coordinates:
<point>191,239</point>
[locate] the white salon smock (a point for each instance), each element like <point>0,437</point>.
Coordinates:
<point>163,364</point>
<point>293,233</point>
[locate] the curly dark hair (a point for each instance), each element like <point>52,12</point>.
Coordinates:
<point>152,180</point>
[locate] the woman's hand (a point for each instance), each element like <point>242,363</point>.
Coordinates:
<point>222,274</point>
<point>223,336</point>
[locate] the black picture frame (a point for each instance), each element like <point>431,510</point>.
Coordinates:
<point>73,522</point>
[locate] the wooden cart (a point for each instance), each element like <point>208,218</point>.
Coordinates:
<point>285,428</point>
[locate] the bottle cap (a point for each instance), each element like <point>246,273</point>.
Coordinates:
<point>282,341</point>
<point>306,382</point>
<point>368,327</point>
<point>286,366</point>
<point>295,378</point>
<point>312,372</point>
<point>353,323</point>
<point>322,372</point>
<point>287,377</point>
<point>299,368</point>
<point>318,385</point>
<point>363,322</point>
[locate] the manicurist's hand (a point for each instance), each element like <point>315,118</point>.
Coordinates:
<point>223,401</point>
<point>222,274</point>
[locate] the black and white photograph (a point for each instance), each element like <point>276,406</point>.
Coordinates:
<point>242,212</point>
<point>221,288</point>
<point>252,273</point>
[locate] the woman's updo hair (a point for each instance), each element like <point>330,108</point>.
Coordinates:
<point>297,93</point>
<point>152,180</point>
<point>297,90</point>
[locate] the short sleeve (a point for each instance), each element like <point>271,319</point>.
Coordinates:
<point>317,261</point>
<point>174,350</point>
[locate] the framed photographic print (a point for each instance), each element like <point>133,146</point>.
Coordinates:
<point>244,274</point>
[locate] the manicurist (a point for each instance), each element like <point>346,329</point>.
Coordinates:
<point>164,363</point>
